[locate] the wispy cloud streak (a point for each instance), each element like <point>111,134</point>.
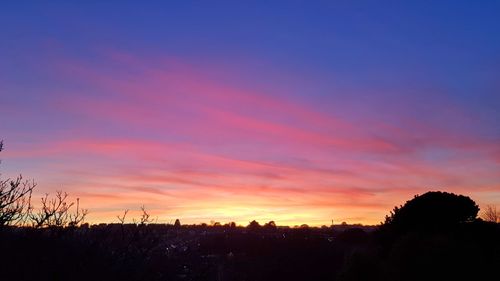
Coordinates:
<point>167,134</point>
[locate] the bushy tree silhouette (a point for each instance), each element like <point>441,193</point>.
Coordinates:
<point>434,236</point>
<point>432,211</point>
<point>270,225</point>
<point>253,225</point>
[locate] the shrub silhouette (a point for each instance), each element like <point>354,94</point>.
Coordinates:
<point>270,225</point>
<point>201,252</point>
<point>253,225</point>
<point>434,236</point>
<point>433,210</point>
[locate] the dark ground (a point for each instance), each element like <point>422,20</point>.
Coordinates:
<point>165,252</point>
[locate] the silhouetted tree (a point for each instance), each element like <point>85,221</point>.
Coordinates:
<point>53,212</point>
<point>79,216</point>
<point>177,223</point>
<point>15,199</point>
<point>432,210</point>
<point>144,216</point>
<point>253,225</point>
<point>16,208</point>
<point>270,225</point>
<point>121,219</point>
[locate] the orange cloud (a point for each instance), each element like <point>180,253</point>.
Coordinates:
<point>167,136</point>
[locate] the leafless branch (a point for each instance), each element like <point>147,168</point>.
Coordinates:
<point>79,216</point>
<point>491,214</point>
<point>53,212</point>
<point>122,218</point>
<point>145,216</point>
<point>15,200</point>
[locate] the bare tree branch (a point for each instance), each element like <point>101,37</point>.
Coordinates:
<point>145,216</point>
<point>122,218</point>
<point>491,214</point>
<point>15,199</point>
<point>55,212</point>
<point>79,216</point>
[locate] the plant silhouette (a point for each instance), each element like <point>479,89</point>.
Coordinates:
<point>432,211</point>
<point>434,236</point>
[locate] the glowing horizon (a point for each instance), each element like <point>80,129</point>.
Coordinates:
<point>219,129</point>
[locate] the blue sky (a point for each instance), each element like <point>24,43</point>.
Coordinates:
<point>378,99</point>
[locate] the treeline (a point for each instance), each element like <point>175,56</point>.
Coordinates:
<point>457,248</point>
<point>433,236</point>
<point>16,208</point>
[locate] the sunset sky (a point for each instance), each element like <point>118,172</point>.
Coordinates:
<point>293,111</point>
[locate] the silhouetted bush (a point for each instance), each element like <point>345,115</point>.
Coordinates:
<point>432,211</point>
<point>254,225</point>
<point>434,236</point>
<point>270,226</point>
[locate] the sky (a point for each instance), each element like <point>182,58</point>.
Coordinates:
<point>292,111</point>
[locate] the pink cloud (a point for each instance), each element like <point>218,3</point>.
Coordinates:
<point>202,145</point>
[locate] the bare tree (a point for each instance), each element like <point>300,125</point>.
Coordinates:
<point>79,216</point>
<point>122,218</point>
<point>15,199</point>
<point>145,216</point>
<point>16,208</point>
<point>56,212</point>
<point>491,214</point>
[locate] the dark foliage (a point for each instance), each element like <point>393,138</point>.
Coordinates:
<point>167,252</point>
<point>434,236</point>
<point>432,211</point>
<point>254,225</point>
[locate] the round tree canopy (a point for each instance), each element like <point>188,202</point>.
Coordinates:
<point>433,210</point>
